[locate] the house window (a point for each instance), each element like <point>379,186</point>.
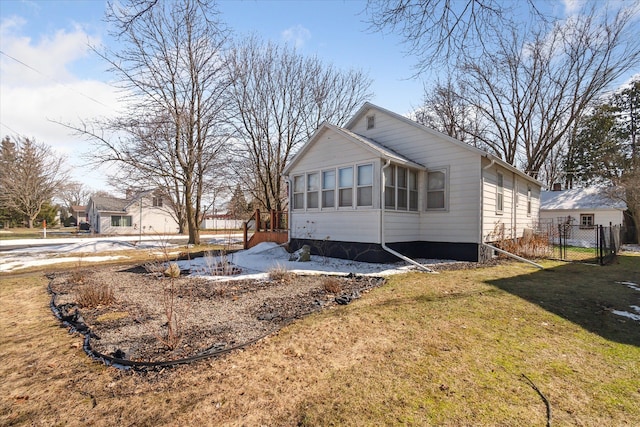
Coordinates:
<point>345,187</point>
<point>312,190</point>
<point>402,188</point>
<point>371,122</point>
<point>436,190</point>
<point>500,192</point>
<point>586,221</point>
<point>413,190</point>
<point>157,202</point>
<point>329,188</point>
<point>298,192</point>
<point>390,187</point>
<point>365,185</point>
<point>528,200</point>
<point>121,221</point>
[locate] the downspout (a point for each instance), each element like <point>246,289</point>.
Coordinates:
<point>514,256</point>
<point>382,209</point>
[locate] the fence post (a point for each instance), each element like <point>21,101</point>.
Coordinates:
<point>245,243</point>
<point>600,244</point>
<point>257,213</point>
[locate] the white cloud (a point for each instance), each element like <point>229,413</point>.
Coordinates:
<point>42,61</point>
<point>298,35</point>
<point>39,85</point>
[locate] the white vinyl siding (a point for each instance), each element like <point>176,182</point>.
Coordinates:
<point>351,225</point>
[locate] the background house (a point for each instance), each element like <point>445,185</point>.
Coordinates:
<point>585,207</point>
<point>386,182</point>
<point>141,213</point>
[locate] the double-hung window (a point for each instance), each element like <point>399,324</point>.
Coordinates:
<point>345,187</point>
<point>157,202</point>
<point>500,192</point>
<point>528,200</point>
<point>402,188</point>
<point>436,190</point>
<point>365,185</point>
<point>329,188</point>
<point>298,192</point>
<point>313,185</point>
<point>586,220</point>
<point>390,187</point>
<point>413,190</point>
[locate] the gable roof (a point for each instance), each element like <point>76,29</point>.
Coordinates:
<point>369,106</point>
<point>110,204</point>
<point>580,198</point>
<point>367,143</point>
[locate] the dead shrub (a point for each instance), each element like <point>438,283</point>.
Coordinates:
<point>331,285</point>
<point>530,245</point>
<point>279,273</point>
<point>93,295</point>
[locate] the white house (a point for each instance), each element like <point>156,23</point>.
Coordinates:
<point>386,182</point>
<point>585,207</point>
<point>142,213</point>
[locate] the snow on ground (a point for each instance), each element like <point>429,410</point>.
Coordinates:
<point>255,263</point>
<point>636,310</point>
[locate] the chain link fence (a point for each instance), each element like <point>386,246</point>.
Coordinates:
<point>595,244</point>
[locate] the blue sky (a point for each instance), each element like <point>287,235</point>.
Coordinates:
<point>48,73</point>
<point>58,78</point>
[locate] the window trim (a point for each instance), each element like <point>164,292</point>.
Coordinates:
<point>445,171</point>
<point>294,192</point>
<point>309,193</point>
<point>371,121</point>
<point>156,202</point>
<point>348,188</point>
<point>358,186</point>
<point>529,200</point>
<point>592,221</point>
<point>121,217</point>
<point>324,190</point>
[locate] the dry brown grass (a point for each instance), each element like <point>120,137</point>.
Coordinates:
<point>447,349</point>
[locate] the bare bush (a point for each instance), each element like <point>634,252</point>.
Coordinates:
<point>530,245</point>
<point>331,285</point>
<point>280,273</point>
<point>93,295</point>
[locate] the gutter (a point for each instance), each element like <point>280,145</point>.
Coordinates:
<point>382,209</point>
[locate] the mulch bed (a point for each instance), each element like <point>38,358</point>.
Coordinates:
<point>205,315</point>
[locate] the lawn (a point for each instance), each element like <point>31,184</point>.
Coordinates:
<point>466,347</point>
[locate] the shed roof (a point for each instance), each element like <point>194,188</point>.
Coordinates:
<point>581,198</point>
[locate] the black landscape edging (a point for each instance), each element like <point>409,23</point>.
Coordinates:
<point>75,323</point>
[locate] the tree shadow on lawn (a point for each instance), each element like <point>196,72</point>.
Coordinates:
<point>586,295</point>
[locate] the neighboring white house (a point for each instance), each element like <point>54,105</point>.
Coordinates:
<point>386,181</point>
<point>142,213</point>
<point>585,207</point>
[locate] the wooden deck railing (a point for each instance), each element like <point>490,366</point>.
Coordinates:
<point>266,227</point>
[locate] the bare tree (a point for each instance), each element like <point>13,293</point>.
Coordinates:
<point>280,98</point>
<point>437,32</point>
<point>445,109</point>
<point>30,175</point>
<point>73,193</point>
<point>172,71</point>
<point>532,91</point>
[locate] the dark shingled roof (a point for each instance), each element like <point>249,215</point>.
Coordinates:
<point>110,204</point>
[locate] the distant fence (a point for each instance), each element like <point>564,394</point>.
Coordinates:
<point>595,244</point>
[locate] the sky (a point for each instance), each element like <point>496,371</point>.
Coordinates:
<point>49,74</point>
